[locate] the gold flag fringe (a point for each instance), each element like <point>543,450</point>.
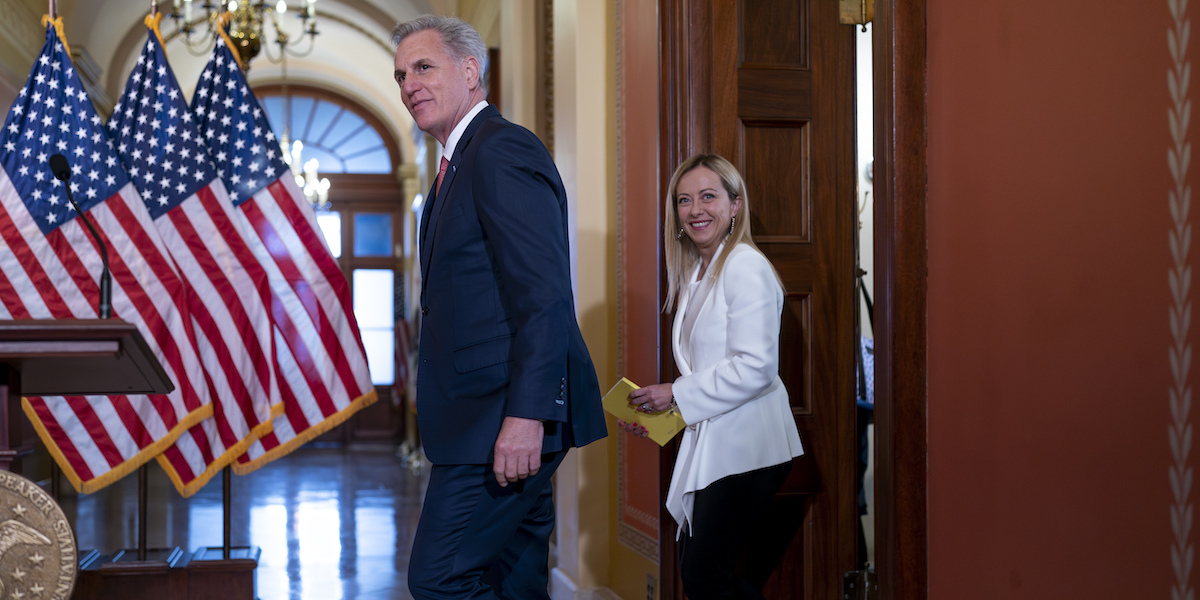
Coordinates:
<point>308,434</point>
<point>58,26</point>
<point>128,466</point>
<point>231,454</point>
<point>153,21</point>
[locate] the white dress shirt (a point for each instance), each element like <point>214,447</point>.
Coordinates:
<point>457,133</point>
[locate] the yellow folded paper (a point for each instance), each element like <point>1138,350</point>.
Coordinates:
<point>661,426</point>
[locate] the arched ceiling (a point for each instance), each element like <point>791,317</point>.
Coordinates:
<point>352,55</point>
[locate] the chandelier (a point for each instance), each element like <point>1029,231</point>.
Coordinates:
<point>248,26</point>
<point>316,188</point>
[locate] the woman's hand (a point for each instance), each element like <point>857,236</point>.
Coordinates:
<point>633,428</point>
<point>652,398</point>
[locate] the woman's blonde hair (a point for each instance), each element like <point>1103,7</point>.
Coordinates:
<point>681,254</point>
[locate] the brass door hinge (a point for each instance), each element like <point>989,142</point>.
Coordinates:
<point>856,12</point>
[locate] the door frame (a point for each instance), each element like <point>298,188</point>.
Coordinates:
<point>901,266</point>
<point>901,262</point>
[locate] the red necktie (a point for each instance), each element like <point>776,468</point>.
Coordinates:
<point>441,174</point>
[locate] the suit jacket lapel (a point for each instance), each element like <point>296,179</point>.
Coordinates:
<point>433,209</point>
<point>426,212</point>
<point>682,362</point>
<point>691,299</point>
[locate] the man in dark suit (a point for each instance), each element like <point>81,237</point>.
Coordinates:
<point>505,385</point>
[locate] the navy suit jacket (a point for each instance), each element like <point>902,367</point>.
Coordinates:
<point>498,335</point>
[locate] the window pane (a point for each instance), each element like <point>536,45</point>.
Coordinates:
<point>301,108</point>
<point>374,293</point>
<point>375,161</point>
<point>373,234</point>
<point>380,347</point>
<point>374,300</point>
<point>327,162</point>
<point>322,120</point>
<point>342,128</point>
<point>364,138</point>
<point>331,225</point>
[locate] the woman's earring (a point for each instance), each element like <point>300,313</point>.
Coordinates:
<point>732,220</point>
<point>679,234</point>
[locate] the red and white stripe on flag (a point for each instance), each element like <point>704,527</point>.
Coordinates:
<point>319,348</point>
<point>321,365</point>
<point>156,137</point>
<point>234,334</point>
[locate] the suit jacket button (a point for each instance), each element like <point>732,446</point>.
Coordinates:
<point>424,310</point>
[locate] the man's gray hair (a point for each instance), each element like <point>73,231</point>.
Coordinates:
<point>460,38</point>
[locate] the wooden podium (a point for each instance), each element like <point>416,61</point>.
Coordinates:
<point>72,357</point>
<point>102,357</point>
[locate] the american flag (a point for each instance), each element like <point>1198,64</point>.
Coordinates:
<point>323,368</point>
<point>51,266</point>
<point>156,137</point>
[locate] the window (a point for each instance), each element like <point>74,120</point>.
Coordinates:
<point>373,234</point>
<point>341,139</point>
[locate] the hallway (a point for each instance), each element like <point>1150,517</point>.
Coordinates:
<point>331,523</point>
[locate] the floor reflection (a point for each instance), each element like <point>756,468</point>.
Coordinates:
<point>331,523</point>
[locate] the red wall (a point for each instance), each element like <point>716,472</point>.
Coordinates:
<point>1049,338</point>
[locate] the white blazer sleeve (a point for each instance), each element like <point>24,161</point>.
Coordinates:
<point>748,338</point>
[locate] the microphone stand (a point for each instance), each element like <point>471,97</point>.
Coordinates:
<point>64,175</point>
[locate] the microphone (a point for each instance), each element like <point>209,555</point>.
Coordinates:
<point>62,172</point>
<point>60,167</point>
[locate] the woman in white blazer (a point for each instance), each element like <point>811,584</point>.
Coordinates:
<point>741,436</point>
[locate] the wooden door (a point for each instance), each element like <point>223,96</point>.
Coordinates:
<point>769,85</point>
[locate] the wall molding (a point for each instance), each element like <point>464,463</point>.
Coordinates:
<point>1179,279</point>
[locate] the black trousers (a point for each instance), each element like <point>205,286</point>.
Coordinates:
<point>478,540</point>
<point>724,514</point>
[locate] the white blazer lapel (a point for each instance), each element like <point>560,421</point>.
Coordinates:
<point>681,361</point>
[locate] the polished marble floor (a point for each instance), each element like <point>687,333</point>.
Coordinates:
<point>331,523</point>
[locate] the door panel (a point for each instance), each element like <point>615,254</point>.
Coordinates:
<point>772,83</point>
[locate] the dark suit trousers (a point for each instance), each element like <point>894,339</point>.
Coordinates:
<point>476,539</point>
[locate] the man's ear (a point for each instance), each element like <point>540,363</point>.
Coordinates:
<point>471,64</point>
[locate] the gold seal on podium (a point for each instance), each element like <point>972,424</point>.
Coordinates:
<point>38,557</point>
